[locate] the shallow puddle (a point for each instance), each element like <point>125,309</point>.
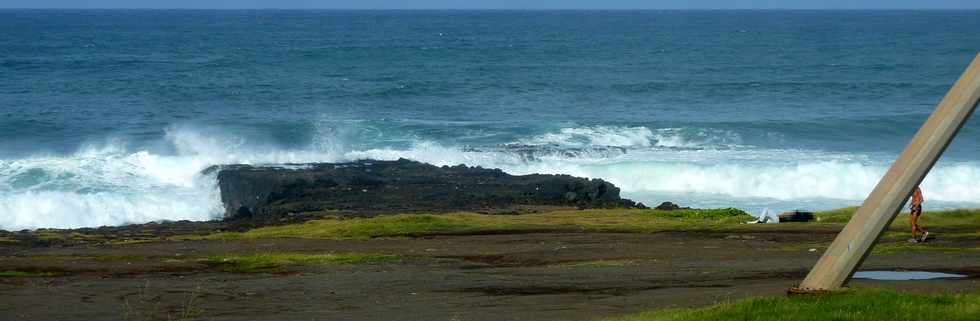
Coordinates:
<point>904,275</point>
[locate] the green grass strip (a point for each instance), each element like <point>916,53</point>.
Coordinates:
<point>412,225</point>
<point>24,274</point>
<point>277,263</point>
<point>861,305</point>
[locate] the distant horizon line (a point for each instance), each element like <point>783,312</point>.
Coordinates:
<point>512,9</point>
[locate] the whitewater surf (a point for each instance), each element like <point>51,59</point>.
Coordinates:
<point>113,185</point>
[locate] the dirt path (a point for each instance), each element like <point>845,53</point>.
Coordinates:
<point>537,276</point>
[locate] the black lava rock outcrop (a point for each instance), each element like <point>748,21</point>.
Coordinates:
<point>669,206</point>
<point>267,193</point>
<point>796,216</point>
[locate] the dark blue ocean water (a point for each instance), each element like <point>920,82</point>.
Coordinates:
<point>107,117</point>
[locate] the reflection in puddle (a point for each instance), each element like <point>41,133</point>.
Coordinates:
<point>904,275</point>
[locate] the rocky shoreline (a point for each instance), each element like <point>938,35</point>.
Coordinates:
<point>562,265</point>
<point>271,193</point>
<point>256,196</point>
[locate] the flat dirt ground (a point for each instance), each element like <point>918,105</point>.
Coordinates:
<point>531,276</point>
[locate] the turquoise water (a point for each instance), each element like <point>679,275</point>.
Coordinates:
<point>904,275</point>
<point>107,117</point>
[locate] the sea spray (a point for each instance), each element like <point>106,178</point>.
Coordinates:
<point>110,184</point>
<point>106,188</point>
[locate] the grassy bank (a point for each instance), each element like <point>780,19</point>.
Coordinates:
<point>956,230</point>
<point>954,223</point>
<point>959,218</point>
<point>410,225</point>
<point>24,274</point>
<point>868,305</point>
<point>278,262</point>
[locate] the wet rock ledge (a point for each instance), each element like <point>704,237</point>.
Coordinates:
<point>269,193</point>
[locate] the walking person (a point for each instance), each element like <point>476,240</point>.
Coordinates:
<point>916,211</point>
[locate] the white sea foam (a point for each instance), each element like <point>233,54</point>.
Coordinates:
<point>774,174</point>
<point>109,185</point>
<point>53,209</point>
<point>637,137</point>
<point>696,138</point>
<point>596,136</point>
<point>95,189</point>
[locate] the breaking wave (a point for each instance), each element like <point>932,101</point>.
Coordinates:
<point>743,175</point>
<point>636,137</point>
<point>108,184</point>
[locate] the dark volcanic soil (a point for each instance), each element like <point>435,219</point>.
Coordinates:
<point>538,276</point>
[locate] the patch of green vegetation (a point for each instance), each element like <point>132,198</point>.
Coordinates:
<point>893,247</point>
<point>903,247</point>
<point>24,274</point>
<point>50,236</point>
<point>948,219</point>
<point>841,215</point>
<point>853,305</point>
<point>719,213</point>
<point>958,218</point>
<point>597,263</point>
<point>277,263</point>
<point>399,225</point>
<point>939,233</point>
<point>99,258</point>
<point>410,225</point>
<point>595,220</point>
<point>66,236</point>
<point>110,258</point>
<point>131,241</point>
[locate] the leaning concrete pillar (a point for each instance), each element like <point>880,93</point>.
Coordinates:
<point>855,241</point>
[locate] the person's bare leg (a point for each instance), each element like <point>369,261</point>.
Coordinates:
<point>914,220</point>
<point>916,227</point>
<point>925,234</point>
